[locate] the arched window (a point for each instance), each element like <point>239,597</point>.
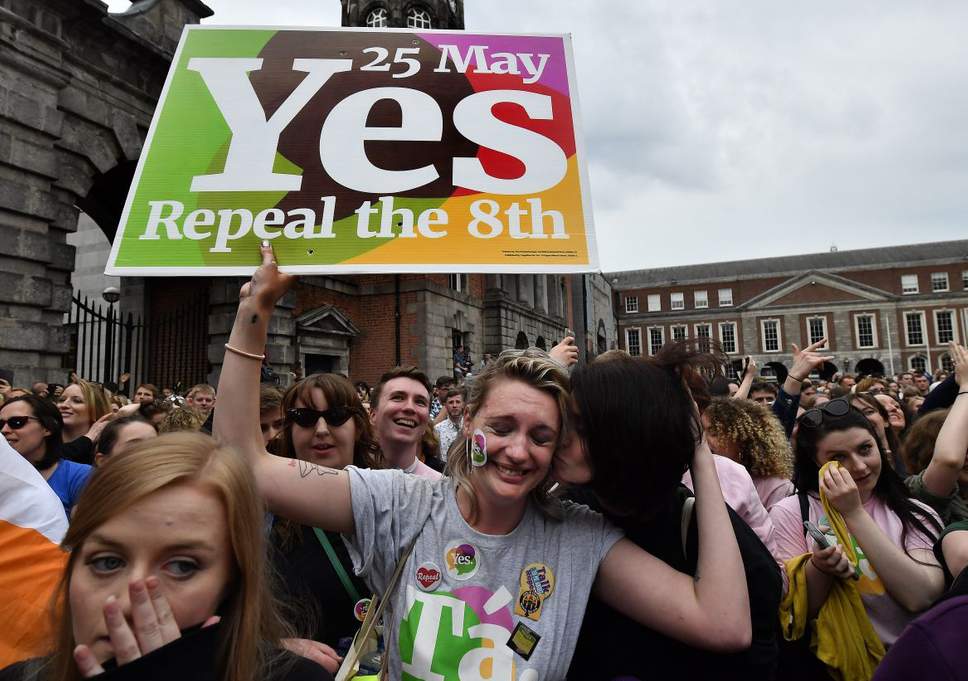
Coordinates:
<point>418,17</point>
<point>540,343</point>
<point>946,363</point>
<point>521,343</point>
<point>377,18</point>
<point>919,364</point>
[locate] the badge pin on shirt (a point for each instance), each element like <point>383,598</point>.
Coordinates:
<point>478,445</point>
<point>536,585</point>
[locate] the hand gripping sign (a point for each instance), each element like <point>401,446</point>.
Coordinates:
<point>361,151</point>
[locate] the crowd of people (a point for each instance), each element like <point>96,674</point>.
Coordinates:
<point>534,518</point>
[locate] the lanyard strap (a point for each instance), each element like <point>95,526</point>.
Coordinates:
<point>334,560</point>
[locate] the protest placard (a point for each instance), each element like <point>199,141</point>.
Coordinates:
<point>360,150</point>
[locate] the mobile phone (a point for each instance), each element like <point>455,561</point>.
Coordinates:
<point>746,363</point>
<point>817,535</point>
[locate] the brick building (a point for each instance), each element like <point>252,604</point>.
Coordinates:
<point>884,310</point>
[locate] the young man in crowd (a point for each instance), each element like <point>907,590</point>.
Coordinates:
<point>922,383</point>
<point>40,389</point>
<point>763,393</point>
<point>449,429</point>
<point>847,382</point>
<point>201,398</point>
<point>441,388</point>
<point>400,411</point>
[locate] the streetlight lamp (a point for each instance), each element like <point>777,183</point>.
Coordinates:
<point>111,295</point>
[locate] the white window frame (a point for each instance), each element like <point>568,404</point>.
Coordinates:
<point>924,329</point>
<point>779,335</point>
<point>954,325</point>
<point>648,333</point>
<point>685,332</point>
<point>964,280</point>
<point>708,326</point>
<point>628,343</point>
<point>873,318</point>
<point>654,302</point>
<point>908,290</point>
<point>458,282</point>
<point>735,337</point>
<point>379,14</point>
<point>631,304</point>
<point>677,297</point>
<point>700,303</point>
<point>823,318</point>
<point>940,275</point>
<point>914,357</point>
<point>723,301</point>
<point>419,18</point>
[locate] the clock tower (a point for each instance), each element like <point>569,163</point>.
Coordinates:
<point>419,14</point>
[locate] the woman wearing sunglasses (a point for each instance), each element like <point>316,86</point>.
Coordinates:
<point>499,571</point>
<point>33,426</point>
<point>326,425</point>
<point>892,534</point>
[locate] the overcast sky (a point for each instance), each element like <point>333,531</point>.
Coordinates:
<point>724,131</point>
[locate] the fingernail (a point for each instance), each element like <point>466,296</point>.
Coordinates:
<point>152,583</point>
<point>265,243</point>
<point>138,586</point>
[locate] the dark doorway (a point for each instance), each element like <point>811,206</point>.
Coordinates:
<point>321,364</point>
<point>827,371</point>
<point>521,343</point>
<point>870,367</point>
<point>776,369</point>
<point>540,344</point>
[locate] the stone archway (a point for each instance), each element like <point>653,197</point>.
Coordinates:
<point>80,88</point>
<point>869,367</point>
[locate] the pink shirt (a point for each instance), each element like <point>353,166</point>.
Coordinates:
<point>887,615</point>
<point>740,494</point>
<point>422,470</point>
<point>772,489</point>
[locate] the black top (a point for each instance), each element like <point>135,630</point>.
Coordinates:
<point>80,450</point>
<point>190,658</point>
<point>611,645</point>
<point>323,611</point>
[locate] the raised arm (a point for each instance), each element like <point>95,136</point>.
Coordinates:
<point>941,475</point>
<point>748,376</point>
<point>915,585</point>
<point>294,489</point>
<point>710,610</point>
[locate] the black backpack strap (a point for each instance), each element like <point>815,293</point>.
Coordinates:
<point>804,509</point>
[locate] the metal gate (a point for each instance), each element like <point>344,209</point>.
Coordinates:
<point>168,351</point>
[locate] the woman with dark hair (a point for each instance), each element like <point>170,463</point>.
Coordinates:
<point>875,411</point>
<point>33,426</point>
<point>892,535</point>
<point>325,424</point>
<point>635,426</point>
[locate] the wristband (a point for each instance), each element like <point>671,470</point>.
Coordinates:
<point>798,380</point>
<point>243,353</point>
<point>963,392</point>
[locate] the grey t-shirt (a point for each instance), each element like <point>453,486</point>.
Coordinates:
<point>462,593</point>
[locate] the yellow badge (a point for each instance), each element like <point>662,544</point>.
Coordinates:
<point>537,584</point>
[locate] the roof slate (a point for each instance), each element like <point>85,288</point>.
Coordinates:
<point>793,264</point>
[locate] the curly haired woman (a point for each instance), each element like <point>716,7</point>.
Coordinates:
<point>750,434</point>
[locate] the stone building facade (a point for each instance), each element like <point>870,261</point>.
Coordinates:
<point>884,310</point>
<point>78,87</point>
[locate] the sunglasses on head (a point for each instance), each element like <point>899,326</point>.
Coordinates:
<point>307,418</point>
<point>835,408</point>
<point>16,422</point>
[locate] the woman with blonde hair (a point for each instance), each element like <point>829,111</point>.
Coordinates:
<point>166,574</point>
<point>489,560</point>
<point>749,434</point>
<point>85,409</point>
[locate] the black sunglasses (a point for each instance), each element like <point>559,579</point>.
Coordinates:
<point>307,418</point>
<point>835,408</point>
<point>16,422</point>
